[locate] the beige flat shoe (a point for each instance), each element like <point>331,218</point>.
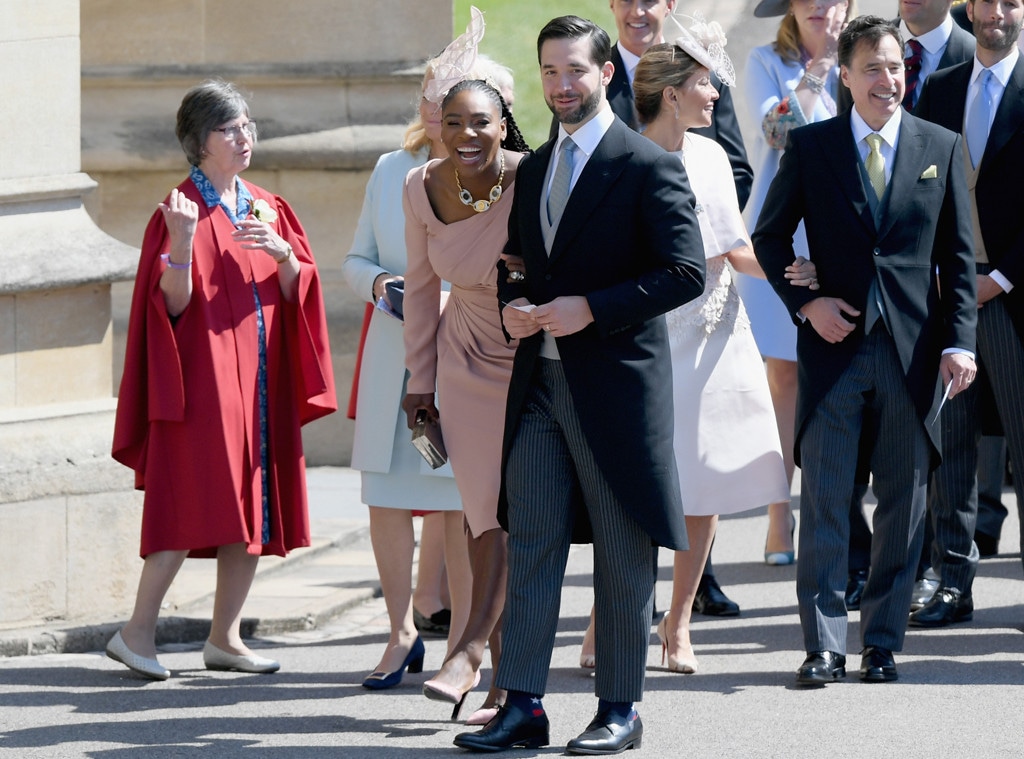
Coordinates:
<point>218,659</point>
<point>118,650</point>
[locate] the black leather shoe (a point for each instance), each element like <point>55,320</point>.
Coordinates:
<point>821,667</point>
<point>855,588</point>
<point>988,545</point>
<point>947,606</point>
<point>510,727</point>
<point>710,600</point>
<point>877,665</point>
<point>924,589</point>
<point>608,733</point>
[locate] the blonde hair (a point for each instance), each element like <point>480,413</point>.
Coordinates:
<point>415,137</point>
<point>661,66</point>
<point>787,40</point>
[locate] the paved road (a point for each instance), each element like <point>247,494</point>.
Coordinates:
<point>741,703</point>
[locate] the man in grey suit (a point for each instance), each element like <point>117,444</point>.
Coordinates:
<point>884,201</point>
<point>984,97</point>
<point>605,225</point>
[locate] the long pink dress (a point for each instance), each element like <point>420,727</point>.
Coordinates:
<point>462,348</point>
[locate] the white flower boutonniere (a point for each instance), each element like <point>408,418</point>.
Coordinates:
<point>263,212</point>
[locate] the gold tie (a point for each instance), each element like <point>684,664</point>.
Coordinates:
<point>875,164</point>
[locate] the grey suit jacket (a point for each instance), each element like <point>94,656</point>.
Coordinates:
<point>943,101</point>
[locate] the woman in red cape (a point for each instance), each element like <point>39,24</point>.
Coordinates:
<point>227,357</point>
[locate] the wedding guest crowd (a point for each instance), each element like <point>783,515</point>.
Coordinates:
<point>869,283</point>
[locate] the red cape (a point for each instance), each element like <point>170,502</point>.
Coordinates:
<point>187,413</point>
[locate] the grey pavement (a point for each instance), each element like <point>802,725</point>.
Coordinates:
<point>960,690</point>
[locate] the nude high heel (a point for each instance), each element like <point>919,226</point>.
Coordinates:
<point>682,666</point>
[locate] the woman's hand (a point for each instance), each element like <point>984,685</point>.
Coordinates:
<point>802,273</point>
<point>413,402</point>
<point>258,235</point>
<point>180,216</point>
<point>516,267</point>
<point>380,289</point>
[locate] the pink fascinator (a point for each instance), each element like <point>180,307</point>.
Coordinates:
<point>456,60</point>
<point>702,40</point>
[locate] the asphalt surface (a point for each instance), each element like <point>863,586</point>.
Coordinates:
<point>960,690</point>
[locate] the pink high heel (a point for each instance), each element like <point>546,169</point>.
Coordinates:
<point>438,691</point>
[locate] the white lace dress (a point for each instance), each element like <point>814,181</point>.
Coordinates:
<point>726,440</point>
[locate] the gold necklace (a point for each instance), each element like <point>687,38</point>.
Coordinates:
<point>492,197</point>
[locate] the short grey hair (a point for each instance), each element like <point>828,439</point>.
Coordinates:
<point>204,108</point>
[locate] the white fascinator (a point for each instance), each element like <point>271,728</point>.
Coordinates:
<point>704,41</point>
<point>456,60</point>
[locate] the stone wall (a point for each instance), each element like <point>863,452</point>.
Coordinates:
<point>331,85</point>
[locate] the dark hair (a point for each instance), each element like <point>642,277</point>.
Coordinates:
<point>513,137</point>
<point>870,29</point>
<point>661,66</point>
<point>575,28</point>
<point>204,108</point>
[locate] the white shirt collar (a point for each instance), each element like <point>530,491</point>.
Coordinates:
<point>629,61</point>
<point>590,134</point>
<point>1000,71</point>
<point>890,132</point>
<point>934,40</point>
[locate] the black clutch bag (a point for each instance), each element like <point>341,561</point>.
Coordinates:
<point>396,294</point>
<point>426,436</point>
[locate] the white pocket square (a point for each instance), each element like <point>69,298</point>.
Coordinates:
<point>932,172</point>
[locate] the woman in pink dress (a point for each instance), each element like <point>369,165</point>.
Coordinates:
<point>456,212</point>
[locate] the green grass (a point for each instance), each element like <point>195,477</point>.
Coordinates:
<point>511,38</point>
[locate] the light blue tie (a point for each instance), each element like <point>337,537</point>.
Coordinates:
<point>978,120</point>
<point>561,182</point>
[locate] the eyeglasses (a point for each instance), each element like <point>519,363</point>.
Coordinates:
<point>234,132</point>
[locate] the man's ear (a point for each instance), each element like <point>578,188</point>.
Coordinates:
<point>606,72</point>
<point>844,74</point>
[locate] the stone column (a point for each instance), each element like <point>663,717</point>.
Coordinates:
<point>65,539</point>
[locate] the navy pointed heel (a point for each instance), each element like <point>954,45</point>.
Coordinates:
<point>413,663</point>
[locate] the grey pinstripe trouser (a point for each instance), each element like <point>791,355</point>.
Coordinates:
<point>550,465</point>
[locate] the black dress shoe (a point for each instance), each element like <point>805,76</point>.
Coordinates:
<point>712,601</point>
<point>988,545</point>
<point>510,727</point>
<point>855,588</point>
<point>923,591</point>
<point>877,665</point>
<point>821,667</point>
<point>947,606</point>
<point>608,733</point>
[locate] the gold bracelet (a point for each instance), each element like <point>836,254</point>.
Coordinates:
<point>287,255</point>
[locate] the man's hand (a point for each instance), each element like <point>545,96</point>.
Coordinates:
<point>826,316</point>
<point>958,368</point>
<point>519,324</point>
<point>564,315</point>
<point>988,289</point>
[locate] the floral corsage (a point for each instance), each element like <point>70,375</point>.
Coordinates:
<point>783,116</point>
<point>262,210</point>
